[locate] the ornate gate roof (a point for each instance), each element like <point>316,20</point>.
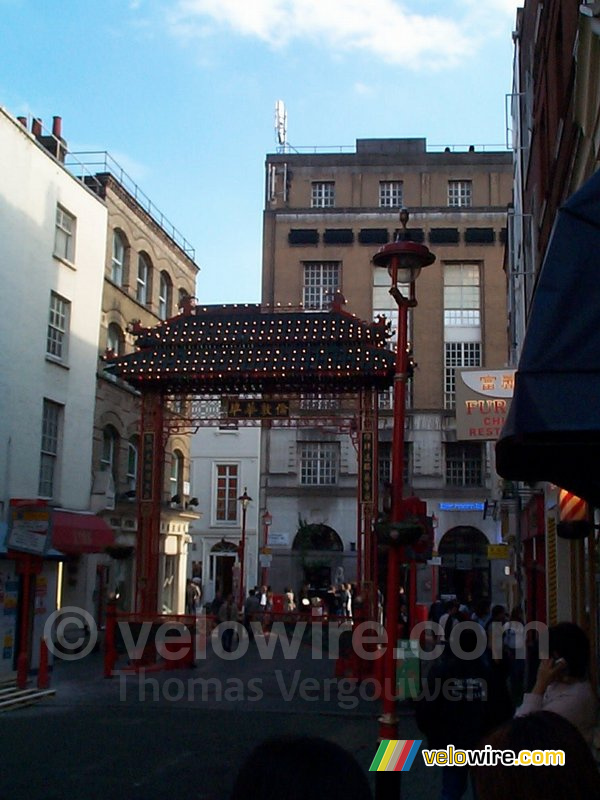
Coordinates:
<point>248,348</point>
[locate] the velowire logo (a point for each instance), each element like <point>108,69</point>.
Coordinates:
<point>395,755</point>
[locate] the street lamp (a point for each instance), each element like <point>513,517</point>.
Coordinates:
<point>267,519</point>
<point>403,260</point>
<point>245,501</point>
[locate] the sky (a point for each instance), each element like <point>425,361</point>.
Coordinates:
<point>182,94</point>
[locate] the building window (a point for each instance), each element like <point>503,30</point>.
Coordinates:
<point>318,463</point>
<point>458,354</point>
<point>64,235</point>
<point>321,282</point>
<point>49,450</point>
<point>165,294</point>
<point>183,294</point>
<point>390,194</point>
<point>118,258</point>
<point>110,450</point>
<point>227,493</point>
<point>461,295</point>
<point>58,327</point>
<point>384,463</point>
<point>132,460</point>
<point>115,339</point>
<point>323,194</point>
<point>464,464</point>
<point>459,193</point>
<point>143,280</point>
<point>318,402</point>
<point>176,477</point>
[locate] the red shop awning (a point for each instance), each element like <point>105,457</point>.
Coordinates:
<point>77,532</point>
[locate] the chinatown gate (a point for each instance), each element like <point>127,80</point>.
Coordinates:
<point>251,364</point>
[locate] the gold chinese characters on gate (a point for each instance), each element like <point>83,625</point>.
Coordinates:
<point>257,409</point>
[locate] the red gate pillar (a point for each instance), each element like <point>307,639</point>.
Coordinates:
<point>150,489</point>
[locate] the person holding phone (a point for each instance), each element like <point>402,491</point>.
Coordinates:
<point>562,684</point>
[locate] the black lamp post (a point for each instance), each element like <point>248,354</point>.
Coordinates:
<point>245,501</point>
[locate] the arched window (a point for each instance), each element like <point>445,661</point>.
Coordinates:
<point>316,536</point>
<point>109,457</point>
<point>132,460</point>
<point>176,478</point>
<point>115,339</point>
<point>118,258</point>
<point>144,277</point>
<point>165,296</point>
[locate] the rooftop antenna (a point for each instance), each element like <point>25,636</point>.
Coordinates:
<point>281,125</point>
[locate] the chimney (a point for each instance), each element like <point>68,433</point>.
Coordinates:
<point>54,143</point>
<point>23,121</point>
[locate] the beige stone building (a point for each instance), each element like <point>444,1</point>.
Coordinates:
<point>149,269</point>
<point>326,214</point>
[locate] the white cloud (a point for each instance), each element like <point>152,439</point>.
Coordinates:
<point>363,88</point>
<point>386,29</point>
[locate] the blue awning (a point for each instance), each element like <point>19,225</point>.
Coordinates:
<point>552,432</point>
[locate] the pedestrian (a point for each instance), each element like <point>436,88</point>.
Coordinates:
<point>216,604</point>
<point>562,683</point>
<point>462,701</point>
<point>289,603</point>
<point>448,620</point>
<point>514,648</point>
<point>300,768</point>
<point>436,609</point>
<point>577,778</point>
<point>228,613</point>
<point>192,596</point>
<point>481,612</point>
<point>252,612</point>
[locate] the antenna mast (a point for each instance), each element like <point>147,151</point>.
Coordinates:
<point>281,125</point>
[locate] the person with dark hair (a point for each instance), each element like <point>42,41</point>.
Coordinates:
<point>561,684</point>
<point>463,699</point>
<point>300,768</point>
<point>577,779</point>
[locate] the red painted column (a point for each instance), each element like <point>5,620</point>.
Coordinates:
<point>388,728</point>
<point>149,494</point>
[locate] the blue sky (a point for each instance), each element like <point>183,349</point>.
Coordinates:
<point>182,94</point>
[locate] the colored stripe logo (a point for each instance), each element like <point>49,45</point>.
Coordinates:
<point>395,755</point>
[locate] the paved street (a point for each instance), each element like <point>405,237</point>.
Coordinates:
<point>171,734</point>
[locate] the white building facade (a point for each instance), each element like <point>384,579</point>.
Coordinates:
<point>52,243</point>
<point>225,464</point>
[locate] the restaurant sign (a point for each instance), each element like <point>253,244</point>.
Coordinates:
<point>482,402</point>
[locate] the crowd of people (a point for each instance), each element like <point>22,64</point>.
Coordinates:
<point>508,695</point>
<point>504,689</point>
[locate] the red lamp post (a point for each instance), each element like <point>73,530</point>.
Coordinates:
<point>267,519</point>
<point>245,501</point>
<point>403,260</point>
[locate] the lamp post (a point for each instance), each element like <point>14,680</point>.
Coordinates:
<point>245,501</point>
<point>403,260</point>
<point>267,519</point>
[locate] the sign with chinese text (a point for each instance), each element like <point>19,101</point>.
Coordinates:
<point>482,402</point>
<point>147,466</point>
<point>366,472</point>
<point>257,409</point>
